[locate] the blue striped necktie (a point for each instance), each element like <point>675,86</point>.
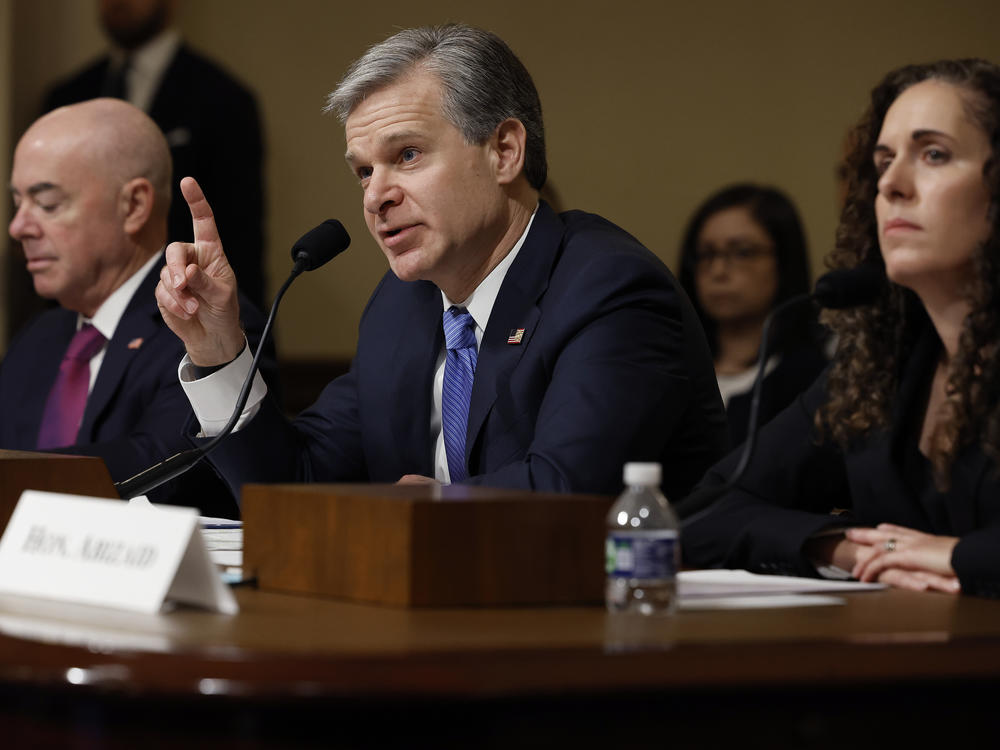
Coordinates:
<point>459,371</point>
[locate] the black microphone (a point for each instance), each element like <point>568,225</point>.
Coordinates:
<point>316,247</point>
<point>836,290</point>
<point>319,246</point>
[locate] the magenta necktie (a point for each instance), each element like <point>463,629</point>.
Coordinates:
<point>68,397</point>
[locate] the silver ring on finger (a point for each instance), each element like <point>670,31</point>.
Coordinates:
<point>890,545</point>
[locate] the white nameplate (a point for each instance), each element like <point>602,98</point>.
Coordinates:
<point>108,553</point>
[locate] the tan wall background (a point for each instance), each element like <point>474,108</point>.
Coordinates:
<point>649,105</point>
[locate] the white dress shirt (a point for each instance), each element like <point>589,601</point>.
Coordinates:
<point>742,382</point>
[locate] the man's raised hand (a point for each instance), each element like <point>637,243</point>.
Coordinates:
<point>197,293</point>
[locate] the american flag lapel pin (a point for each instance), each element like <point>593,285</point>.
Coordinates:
<point>135,343</point>
<point>516,334</point>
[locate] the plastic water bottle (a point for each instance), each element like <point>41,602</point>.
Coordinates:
<point>643,546</point>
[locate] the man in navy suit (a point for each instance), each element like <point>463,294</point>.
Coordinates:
<point>209,118</point>
<point>91,189</point>
<point>509,346</point>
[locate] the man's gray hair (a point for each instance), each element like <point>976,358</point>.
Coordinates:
<point>482,82</point>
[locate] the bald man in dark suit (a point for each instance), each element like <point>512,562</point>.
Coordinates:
<point>97,375</point>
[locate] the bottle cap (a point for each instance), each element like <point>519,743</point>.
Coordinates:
<point>647,474</point>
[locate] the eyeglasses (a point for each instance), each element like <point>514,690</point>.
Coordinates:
<point>738,255</point>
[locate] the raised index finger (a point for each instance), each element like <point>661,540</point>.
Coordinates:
<point>202,217</point>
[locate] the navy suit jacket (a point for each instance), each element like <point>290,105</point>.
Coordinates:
<point>212,126</point>
<point>794,484</point>
<point>136,411</point>
<point>612,366</point>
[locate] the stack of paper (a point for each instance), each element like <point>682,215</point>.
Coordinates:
<point>224,541</point>
<point>739,589</point>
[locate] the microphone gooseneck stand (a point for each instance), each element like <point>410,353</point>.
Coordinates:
<point>313,249</point>
<point>838,289</point>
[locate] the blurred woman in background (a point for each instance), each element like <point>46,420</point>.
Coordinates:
<point>743,253</point>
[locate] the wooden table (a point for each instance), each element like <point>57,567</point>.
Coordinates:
<point>885,667</point>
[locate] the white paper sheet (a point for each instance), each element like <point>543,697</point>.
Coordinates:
<point>697,584</point>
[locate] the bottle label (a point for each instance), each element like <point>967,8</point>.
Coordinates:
<point>648,553</point>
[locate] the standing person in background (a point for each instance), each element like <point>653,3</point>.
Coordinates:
<point>886,469</point>
<point>209,118</point>
<point>744,253</point>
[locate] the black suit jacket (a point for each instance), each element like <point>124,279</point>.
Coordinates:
<point>136,411</point>
<point>797,369</point>
<point>795,482</point>
<point>612,366</point>
<point>211,124</point>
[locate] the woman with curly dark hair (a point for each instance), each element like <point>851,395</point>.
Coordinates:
<point>887,468</point>
<point>743,253</point>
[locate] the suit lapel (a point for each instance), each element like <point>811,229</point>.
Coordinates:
<point>956,508</point>
<point>911,400</point>
<point>415,353</point>
<point>515,308</point>
<point>953,511</point>
<point>883,463</point>
<point>137,326</point>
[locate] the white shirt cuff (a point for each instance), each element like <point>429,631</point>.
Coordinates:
<point>213,398</point>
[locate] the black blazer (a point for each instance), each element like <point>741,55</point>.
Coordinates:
<point>795,483</point>
<point>211,124</point>
<point>612,366</point>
